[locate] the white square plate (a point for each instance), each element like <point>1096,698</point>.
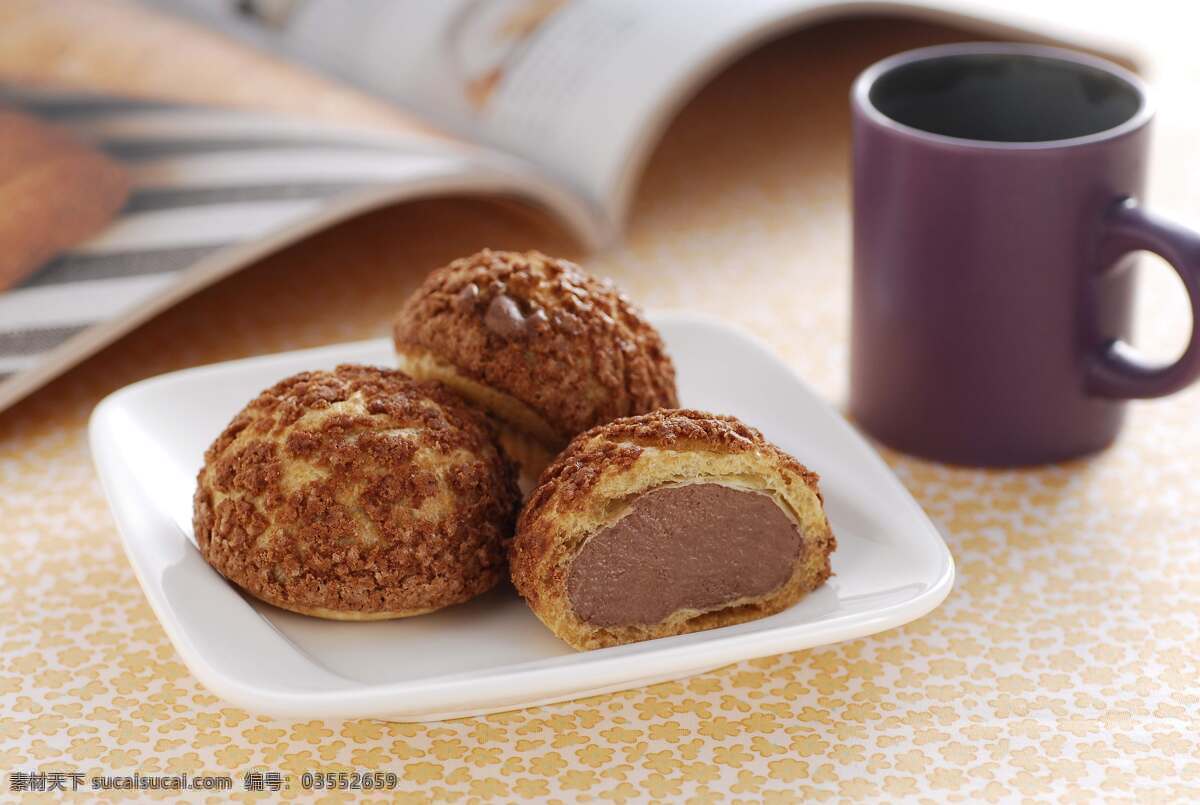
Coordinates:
<point>491,654</point>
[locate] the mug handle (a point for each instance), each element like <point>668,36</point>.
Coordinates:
<point>1118,370</point>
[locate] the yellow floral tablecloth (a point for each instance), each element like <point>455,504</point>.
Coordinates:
<point>1065,664</point>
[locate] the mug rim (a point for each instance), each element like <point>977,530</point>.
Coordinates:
<point>861,94</point>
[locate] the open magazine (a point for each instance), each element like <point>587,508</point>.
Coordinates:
<point>554,102</point>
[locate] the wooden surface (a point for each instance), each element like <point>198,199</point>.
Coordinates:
<point>1065,661</point>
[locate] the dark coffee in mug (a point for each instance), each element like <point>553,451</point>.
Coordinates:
<point>996,207</point>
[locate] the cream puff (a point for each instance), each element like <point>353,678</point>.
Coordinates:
<point>357,494</point>
<point>545,348</point>
<point>668,523</point>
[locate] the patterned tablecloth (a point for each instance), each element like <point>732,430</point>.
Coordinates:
<point>1065,663</point>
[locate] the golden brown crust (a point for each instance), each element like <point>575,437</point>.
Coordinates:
<point>357,493</point>
<point>566,347</point>
<point>592,482</point>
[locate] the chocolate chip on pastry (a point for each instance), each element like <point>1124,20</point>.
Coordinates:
<point>538,343</point>
<point>357,494</point>
<point>667,523</point>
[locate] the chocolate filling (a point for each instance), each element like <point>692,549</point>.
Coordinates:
<point>698,546</point>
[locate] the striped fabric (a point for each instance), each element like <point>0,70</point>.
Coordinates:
<point>205,181</point>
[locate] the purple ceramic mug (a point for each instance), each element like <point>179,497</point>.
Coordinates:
<point>997,207</point>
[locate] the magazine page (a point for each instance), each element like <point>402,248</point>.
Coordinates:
<point>581,87</point>
<point>118,208</point>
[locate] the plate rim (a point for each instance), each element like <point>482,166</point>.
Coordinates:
<point>434,698</point>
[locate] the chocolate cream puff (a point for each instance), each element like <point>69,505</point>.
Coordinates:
<point>357,494</point>
<point>667,523</point>
<point>548,350</point>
